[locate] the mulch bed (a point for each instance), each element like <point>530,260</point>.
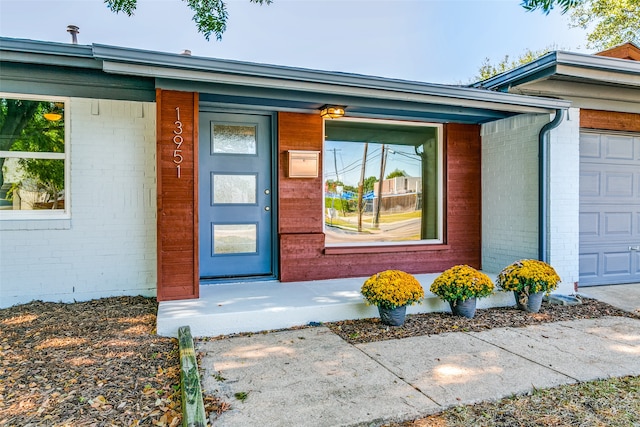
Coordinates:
<point>99,363</point>
<point>368,330</point>
<point>92,363</point>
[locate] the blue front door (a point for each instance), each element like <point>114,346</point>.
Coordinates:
<point>235,195</point>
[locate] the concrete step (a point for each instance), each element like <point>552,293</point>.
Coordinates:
<point>258,306</point>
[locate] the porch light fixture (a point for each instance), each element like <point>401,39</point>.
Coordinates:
<point>331,112</point>
<point>54,115</point>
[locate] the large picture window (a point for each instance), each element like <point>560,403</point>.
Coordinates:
<point>383,182</point>
<point>32,157</point>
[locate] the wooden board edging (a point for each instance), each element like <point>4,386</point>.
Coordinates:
<point>193,414</point>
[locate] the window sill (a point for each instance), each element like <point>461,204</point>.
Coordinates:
<point>344,250</point>
<point>35,224</point>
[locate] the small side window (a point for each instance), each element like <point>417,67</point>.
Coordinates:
<point>33,157</point>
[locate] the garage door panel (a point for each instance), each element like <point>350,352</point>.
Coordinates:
<point>617,225</point>
<point>617,263</point>
<point>609,208</point>
<point>590,146</point>
<point>618,185</point>
<point>590,183</point>
<point>589,224</point>
<point>589,266</point>
<point>619,147</point>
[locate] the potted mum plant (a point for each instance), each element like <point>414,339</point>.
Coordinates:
<point>460,286</point>
<point>392,291</point>
<point>529,279</point>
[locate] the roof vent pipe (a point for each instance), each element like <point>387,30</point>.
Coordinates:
<point>186,52</point>
<point>543,183</point>
<point>73,30</point>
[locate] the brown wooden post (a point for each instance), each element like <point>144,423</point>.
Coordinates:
<point>177,182</point>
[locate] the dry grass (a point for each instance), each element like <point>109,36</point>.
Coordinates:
<point>612,402</point>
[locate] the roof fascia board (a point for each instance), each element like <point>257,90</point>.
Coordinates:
<point>47,53</point>
<point>595,62</point>
<point>599,68</point>
<point>414,92</point>
<point>540,68</point>
<point>598,76</point>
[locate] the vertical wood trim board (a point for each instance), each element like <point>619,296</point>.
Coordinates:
<point>177,222</point>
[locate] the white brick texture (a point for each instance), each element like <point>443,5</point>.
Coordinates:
<point>108,247</point>
<point>510,194</point>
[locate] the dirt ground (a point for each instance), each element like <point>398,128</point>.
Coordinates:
<point>100,363</point>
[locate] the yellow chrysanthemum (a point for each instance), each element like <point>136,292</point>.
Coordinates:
<point>528,275</point>
<point>391,289</point>
<point>462,282</point>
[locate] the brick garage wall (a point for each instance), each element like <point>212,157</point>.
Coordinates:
<point>510,190</point>
<point>108,246</point>
<point>510,194</point>
<point>564,204</point>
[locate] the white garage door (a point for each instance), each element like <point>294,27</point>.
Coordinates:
<point>609,208</point>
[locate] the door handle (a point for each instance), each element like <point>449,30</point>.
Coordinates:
<point>267,208</point>
<point>634,248</point>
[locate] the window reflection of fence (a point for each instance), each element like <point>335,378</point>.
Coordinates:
<point>396,203</point>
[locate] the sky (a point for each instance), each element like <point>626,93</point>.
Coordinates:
<point>434,41</point>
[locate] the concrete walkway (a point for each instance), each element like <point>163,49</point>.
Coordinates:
<point>312,377</point>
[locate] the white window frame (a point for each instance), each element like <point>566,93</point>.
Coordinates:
<point>44,214</point>
<point>440,185</point>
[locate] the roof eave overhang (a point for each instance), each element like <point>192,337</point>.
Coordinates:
<point>569,66</point>
<point>47,53</point>
<point>206,70</point>
<point>372,95</point>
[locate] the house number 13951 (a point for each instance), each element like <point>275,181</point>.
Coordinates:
<point>177,139</point>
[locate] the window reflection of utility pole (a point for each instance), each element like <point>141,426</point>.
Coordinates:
<point>383,161</point>
<point>333,194</point>
<point>361,186</point>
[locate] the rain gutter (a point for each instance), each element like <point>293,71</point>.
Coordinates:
<point>543,183</point>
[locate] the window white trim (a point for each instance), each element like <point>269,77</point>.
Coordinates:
<point>40,215</point>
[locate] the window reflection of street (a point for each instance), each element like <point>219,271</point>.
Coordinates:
<point>391,229</point>
<point>382,182</point>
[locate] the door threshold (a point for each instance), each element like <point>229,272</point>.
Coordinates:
<point>236,279</point>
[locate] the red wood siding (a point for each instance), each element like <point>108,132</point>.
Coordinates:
<point>609,120</point>
<point>177,197</point>
<point>300,199</point>
<point>302,252</point>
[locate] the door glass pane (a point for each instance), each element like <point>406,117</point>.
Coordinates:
<point>234,189</point>
<point>233,139</point>
<point>234,238</point>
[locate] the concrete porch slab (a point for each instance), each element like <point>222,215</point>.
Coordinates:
<point>257,306</point>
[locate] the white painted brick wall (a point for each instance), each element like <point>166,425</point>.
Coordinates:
<point>108,247</point>
<point>510,190</point>
<point>564,203</point>
<point>510,194</point>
